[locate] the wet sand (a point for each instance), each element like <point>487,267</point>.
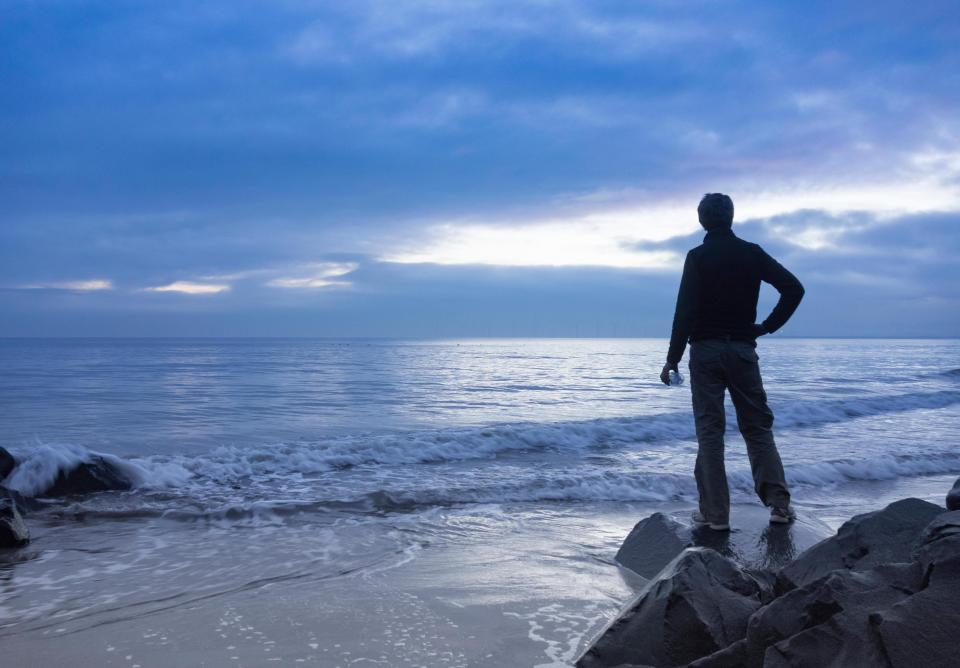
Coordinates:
<point>496,585</point>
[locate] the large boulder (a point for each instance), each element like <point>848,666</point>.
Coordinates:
<point>95,475</point>
<point>939,541</point>
<point>827,622</point>
<point>953,496</point>
<point>698,604</point>
<point>7,463</point>
<point>734,656</point>
<point>13,531</point>
<point>52,470</point>
<point>922,630</point>
<point>753,543</point>
<point>883,536</point>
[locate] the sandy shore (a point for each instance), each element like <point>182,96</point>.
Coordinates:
<point>512,585</point>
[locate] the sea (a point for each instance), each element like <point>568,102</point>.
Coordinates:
<point>359,502</point>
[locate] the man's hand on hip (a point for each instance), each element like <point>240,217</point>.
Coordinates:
<point>665,374</point>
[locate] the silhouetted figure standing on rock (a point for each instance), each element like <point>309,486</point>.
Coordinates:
<point>716,311</point>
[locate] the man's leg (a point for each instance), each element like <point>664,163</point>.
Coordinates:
<point>755,420</point>
<point>707,388</point>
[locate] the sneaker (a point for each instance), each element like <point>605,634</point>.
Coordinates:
<point>698,518</point>
<point>782,515</point>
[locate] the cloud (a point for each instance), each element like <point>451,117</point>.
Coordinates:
<point>77,286</point>
<point>859,256</point>
<point>465,142</point>
<point>190,288</point>
<point>554,244</point>
<point>603,231</point>
<point>321,275</point>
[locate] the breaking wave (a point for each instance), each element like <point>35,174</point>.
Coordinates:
<point>40,463</point>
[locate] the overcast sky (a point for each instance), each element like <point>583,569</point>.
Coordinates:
<point>468,168</point>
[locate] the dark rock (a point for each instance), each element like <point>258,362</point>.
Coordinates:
<point>95,475</point>
<point>953,496</point>
<point>940,540</point>
<point>13,531</point>
<point>753,543</point>
<point>23,502</point>
<point>734,656</point>
<point>652,544</point>
<point>826,622</point>
<point>883,536</point>
<point>696,606</point>
<point>922,630</point>
<point>7,463</point>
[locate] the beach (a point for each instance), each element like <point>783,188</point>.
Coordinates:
<point>446,503</point>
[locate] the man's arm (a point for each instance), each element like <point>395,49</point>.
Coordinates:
<point>683,317</point>
<point>790,289</point>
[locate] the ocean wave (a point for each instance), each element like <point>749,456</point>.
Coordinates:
<point>581,485</point>
<point>489,442</point>
<point>574,485</point>
<point>40,463</point>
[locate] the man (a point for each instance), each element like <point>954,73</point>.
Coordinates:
<point>716,311</point>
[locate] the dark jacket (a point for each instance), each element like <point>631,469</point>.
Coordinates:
<point>719,291</point>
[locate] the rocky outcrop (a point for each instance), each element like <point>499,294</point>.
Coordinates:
<point>883,536</point>
<point>922,630</point>
<point>826,622</point>
<point>953,496</point>
<point>698,604</point>
<point>755,544</point>
<point>13,531</point>
<point>734,656</point>
<point>881,592</point>
<point>940,540</point>
<point>7,463</point>
<point>31,480</point>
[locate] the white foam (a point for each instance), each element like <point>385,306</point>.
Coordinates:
<point>488,442</point>
<point>40,463</point>
<point>578,485</point>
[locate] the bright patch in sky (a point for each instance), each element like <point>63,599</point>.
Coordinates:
<point>82,286</point>
<point>606,238</point>
<point>189,288</point>
<point>323,275</point>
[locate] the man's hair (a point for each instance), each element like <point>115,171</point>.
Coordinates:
<point>715,210</point>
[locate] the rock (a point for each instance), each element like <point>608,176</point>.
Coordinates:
<point>754,543</point>
<point>883,536</point>
<point>734,656</point>
<point>826,622</point>
<point>695,606</point>
<point>652,544</point>
<point>23,502</point>
<point>7,463</point>
<point>95,475</point>
<point>922,629</point>
<point>13,531</point>
<point>940,540</point>
<point>953,496</point>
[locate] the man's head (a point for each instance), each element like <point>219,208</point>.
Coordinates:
<point>715,211</point>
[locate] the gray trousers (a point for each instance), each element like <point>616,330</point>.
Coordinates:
<point>717,365</point>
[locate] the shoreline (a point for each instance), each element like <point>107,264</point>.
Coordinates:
<point>489,585</point>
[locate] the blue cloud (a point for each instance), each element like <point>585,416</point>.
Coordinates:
<point>146,144</point>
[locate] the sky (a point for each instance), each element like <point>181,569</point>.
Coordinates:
<point>461,168</point>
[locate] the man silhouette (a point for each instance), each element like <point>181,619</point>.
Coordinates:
<point>716,311</point>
